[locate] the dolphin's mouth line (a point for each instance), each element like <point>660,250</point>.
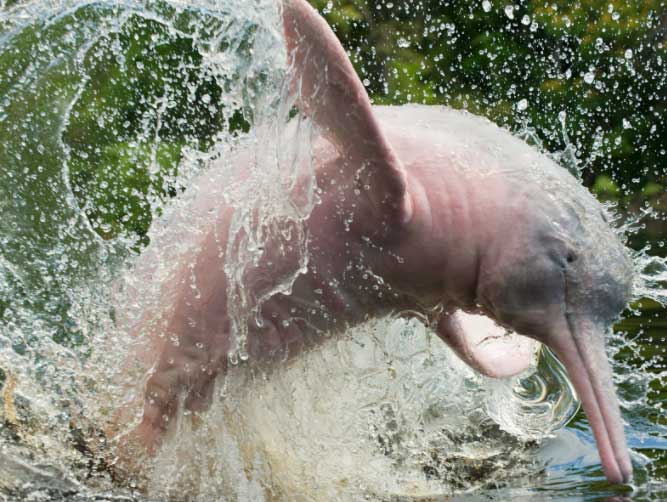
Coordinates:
<point>494,338</point>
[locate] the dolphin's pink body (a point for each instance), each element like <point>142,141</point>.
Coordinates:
<point>449,211</point>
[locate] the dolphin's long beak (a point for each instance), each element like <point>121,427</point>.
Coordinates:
<point>582,351</point>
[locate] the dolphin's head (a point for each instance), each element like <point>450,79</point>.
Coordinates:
<point>559,274</point>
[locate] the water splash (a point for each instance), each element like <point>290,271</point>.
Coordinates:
<point>109,110</point>
<point>651,278</point>
<point>399,415</point>
<point>535,404</point>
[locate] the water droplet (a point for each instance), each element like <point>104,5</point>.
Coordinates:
<point>367,82</point>
<point>522,105</point>
<point>486,5</point>
<point>525,20</point>
<point>509,11</point>
<point>403,43</point>
<point>628,54</point>
<point>589,77</point>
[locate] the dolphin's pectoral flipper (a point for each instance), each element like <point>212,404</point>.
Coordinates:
<point>483,345</point>
<point>330,92</point>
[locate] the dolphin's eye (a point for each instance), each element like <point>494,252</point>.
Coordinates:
<point>571,257</point>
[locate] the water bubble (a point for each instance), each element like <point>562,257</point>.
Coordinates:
<point>522,105</point>
<point>628,54</point>
<point>589,77</point>
<point>403,43</point>
<point>525,20</point>
<point>486,6</point>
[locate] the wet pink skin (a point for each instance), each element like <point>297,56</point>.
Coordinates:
<point>448,210</point>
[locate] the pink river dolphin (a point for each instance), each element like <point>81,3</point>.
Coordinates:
<point>421,209</point>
